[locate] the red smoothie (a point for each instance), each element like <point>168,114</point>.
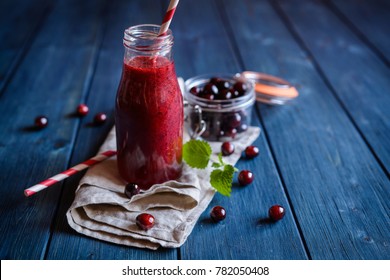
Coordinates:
<point>149,121</point>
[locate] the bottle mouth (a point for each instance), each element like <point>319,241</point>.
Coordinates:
<point>145,37</point>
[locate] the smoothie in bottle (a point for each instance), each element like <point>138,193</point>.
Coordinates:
<point>149,109</point>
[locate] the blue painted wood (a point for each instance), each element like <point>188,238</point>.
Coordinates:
<point>203,46</point>
<point>370,19</point>
<point>19,27</point>
<point>359,77</point>
<point>339,192</point>
<point>50,81</point>
<point>66,243</point>
<point>314,154</point>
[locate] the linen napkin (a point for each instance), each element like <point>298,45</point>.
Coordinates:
<point>101,209</point>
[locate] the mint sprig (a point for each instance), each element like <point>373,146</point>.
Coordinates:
<point>197,153</point>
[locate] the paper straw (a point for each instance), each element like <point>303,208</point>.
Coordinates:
<point>168,17</point>
<point>71,171</point>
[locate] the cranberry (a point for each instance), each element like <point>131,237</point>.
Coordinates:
<point>233,120</point>
<point>41,121</point>
<point>225,94</point>
<point>210,89</point>
<point>240,87</point>
<point>208,96</point>
<point>242,127</point>
<point>251,151</point>
<point>195,91</point>
<point>218,213</point>
<point>82,110</point>
<point>222,84</point>
<point>145,221</point>
<point>232,132</point>
<point>227,148</point>
<point>276,212</point>
<point>131,189</point>
<point>215,80</point>
<point>100,118</point>
<point>245,177</point>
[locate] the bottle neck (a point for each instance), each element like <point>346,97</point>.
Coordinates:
<point>142,40</point>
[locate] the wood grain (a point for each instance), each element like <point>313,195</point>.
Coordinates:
<point>333,181</point>
<point>49,81</point>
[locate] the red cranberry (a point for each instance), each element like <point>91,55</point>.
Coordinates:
<point>41,121</point>
<point>276,212</point>
<point>242,127</point>
<point>222,84</point>
<point>251,151</point>
<point>232,132</point>
<point>210,89</point>
<point>225,94</point>
<point>100,118</point>
<point>82,110</point>
<point>245,177</point>
<point>215,80</point>
<point>145,221</point>
<point>240,87</point>
<point>195,91</point>
<point>233,120</point>
<point>218,213</point>
<point>207,96</point>
<point>132,189</point>
<point>227,148</point>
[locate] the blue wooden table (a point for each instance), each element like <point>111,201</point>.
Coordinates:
<point>325,156</point>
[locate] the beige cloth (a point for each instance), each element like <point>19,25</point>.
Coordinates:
<point>101,210</point>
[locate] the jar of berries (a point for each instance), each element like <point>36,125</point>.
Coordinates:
<point>219,106</point>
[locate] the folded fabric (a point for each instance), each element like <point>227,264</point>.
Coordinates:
<point>101,209</point>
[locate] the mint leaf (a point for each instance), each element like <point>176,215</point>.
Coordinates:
<point>196,153</point>
<point>220,159</point>
<point>216,165</point>
<point>221,180</point>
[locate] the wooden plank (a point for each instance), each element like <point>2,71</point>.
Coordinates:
<point>66,243</point>
<point>356,74</point>
<point>339,193</point>
<point>50,81</point>
<point>20,21</point>
<point>202,46</point>
<point>370,19</point>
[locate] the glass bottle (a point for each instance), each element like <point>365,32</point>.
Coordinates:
<point>149,109</point>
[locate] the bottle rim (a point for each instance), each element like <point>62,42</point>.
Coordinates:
<point>144,37</point>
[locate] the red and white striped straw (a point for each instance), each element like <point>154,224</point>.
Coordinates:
<point>71,171</point>
<point>168,17</point>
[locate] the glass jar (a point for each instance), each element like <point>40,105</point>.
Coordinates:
<point>149,109</point>
<point>219,120</point>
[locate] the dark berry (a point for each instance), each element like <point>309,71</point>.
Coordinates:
<point>218,213</point>
<point>245,177</point>
<point>242,127</point>
<point>225,94</point>
<point>235,93</point>
<point>227,148</point>
<point>41,121</point>
<point>195,91</point>
<point>222,84</point>
<point>210,89</point>
<point>276,212</point>
<point>215,80</point>
<point>100,118</point>
<point>208,96</point>
<point>251,151</point>
<point>145,221</point>
<point>131,189</point>
<point>240,87</point>
<point>232,132</point>
<point>82,110</point>
<point>233,120</point>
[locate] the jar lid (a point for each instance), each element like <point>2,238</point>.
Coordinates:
<point>270,89</point>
